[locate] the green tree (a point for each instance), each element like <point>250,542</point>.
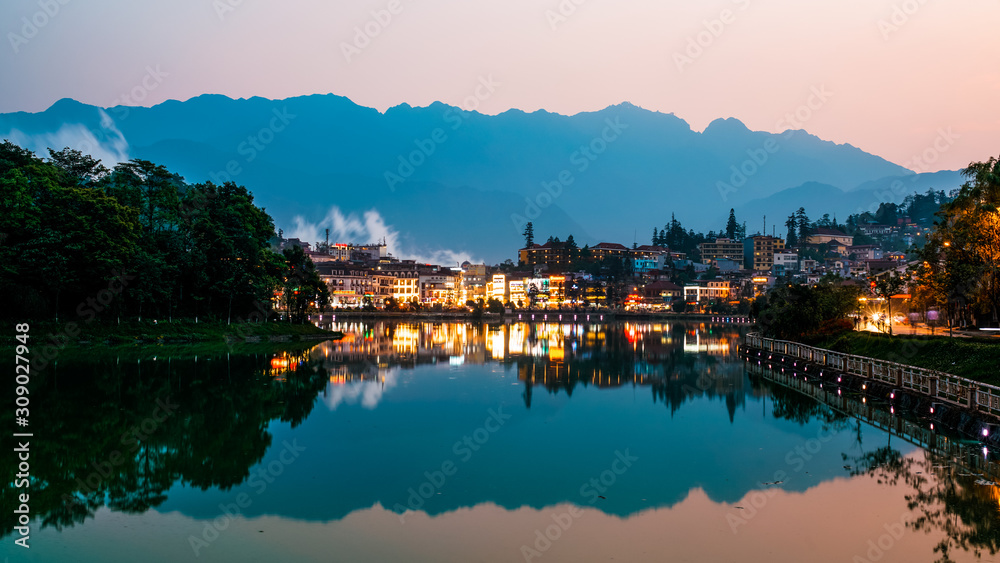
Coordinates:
<point>303,290</point>
<point>805,230</point>
<point>529,235</point>
<point>961,258</point>
<point>732,227</point>
<point>791,238</point>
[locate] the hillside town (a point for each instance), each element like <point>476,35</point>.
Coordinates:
<point>720,275</point>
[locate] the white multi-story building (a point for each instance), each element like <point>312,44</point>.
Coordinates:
<point>706,290</point>
<point>786,261</point>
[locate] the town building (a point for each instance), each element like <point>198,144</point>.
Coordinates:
<point>474,280</point>
<point>647,257</point>
<point>703,291</point>
<point>786,262</point>
<point>722,249</point>
<point>352,285</point>
<point>865,252</point>
<point>440,286</point>
<point>758,252</point>
<point>823,235</point>
<point>661,293</point>
<point>606,250</point>
<point>557,255</point>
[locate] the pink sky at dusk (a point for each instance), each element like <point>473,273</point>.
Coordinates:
<point>900,83</point>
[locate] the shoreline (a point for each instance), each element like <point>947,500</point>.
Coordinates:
<point>523,315</point>
<point>61,335</point>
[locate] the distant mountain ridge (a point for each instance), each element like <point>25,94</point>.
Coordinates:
<point>441,178</point>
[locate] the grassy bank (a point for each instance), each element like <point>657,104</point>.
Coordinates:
<point>976,359</point>
<point>181,332</point>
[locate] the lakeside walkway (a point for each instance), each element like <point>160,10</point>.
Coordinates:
<point>937,385</point>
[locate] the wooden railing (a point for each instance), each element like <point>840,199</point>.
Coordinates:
<point>941,386</point>
<point>958,451</point>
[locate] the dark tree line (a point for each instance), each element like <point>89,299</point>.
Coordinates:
<point>79,239</point>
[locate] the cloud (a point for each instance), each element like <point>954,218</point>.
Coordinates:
<point>369,392</point>
<point>368,228</point>
<point>111,148</point>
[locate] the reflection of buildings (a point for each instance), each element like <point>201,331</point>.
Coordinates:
<point>676,360</point>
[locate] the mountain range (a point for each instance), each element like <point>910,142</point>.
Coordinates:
<point>442,184</point>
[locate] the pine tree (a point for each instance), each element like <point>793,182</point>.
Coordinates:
<point>732,226</point>
<point>529,235</point>
<point>791,237</point>
<point>803,223</point>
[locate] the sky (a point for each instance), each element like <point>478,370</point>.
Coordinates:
<point>913,81</point>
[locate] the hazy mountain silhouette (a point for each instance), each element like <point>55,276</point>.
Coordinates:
<point>471,173</point>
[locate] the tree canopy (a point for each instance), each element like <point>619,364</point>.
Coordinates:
<point>71,231</point>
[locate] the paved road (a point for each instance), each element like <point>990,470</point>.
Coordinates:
<point>925,330</point>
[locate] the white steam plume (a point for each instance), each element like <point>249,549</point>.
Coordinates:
<point>370,227</point>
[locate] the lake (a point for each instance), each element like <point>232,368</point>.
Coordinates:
<point>465,442</point>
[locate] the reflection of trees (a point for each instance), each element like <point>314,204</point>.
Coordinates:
<point>609,356</point>
<point>964,512</point>
<point>944,499</point>
<point>102,446</point>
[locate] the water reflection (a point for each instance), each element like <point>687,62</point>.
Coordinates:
<point>675,361</point>
<point>397,399</point>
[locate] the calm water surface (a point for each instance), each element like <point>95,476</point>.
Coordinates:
<point>462,442</point>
